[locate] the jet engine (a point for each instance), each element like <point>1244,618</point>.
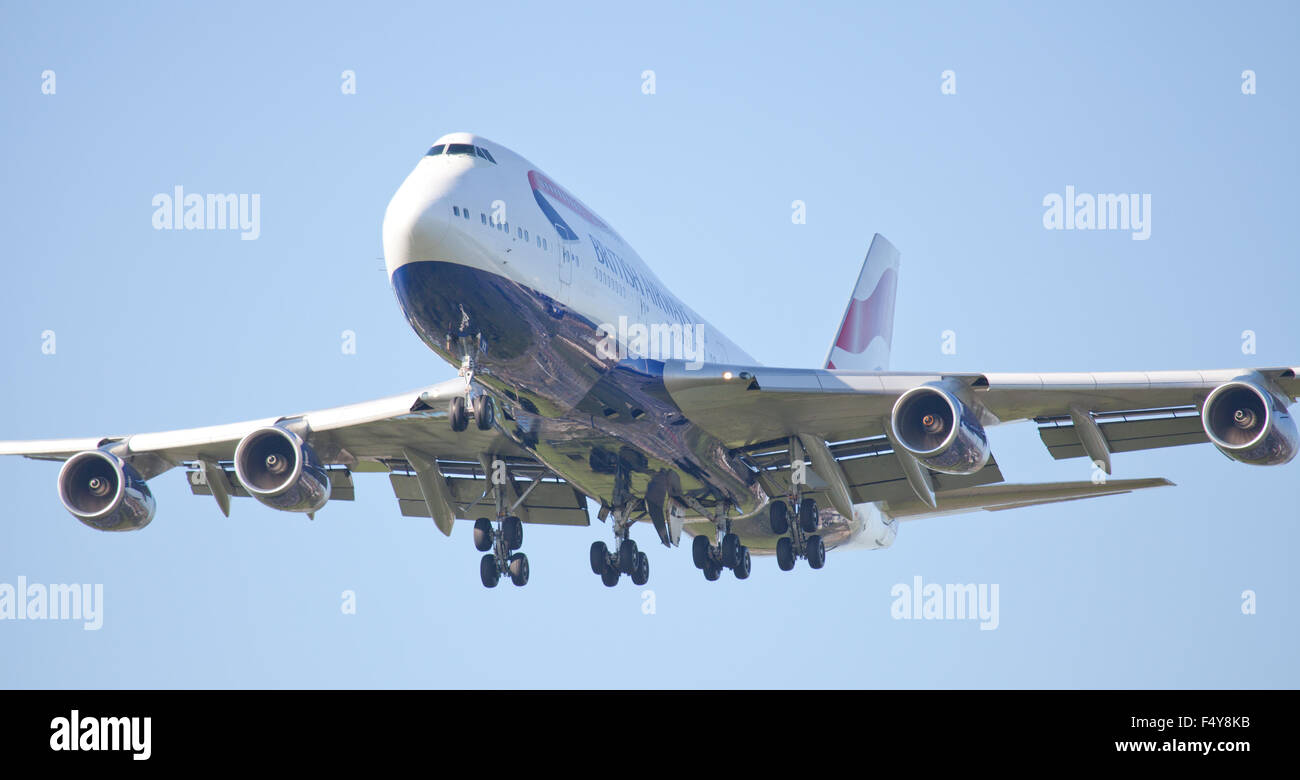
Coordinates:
<point>277,468</point>
<point>1248,424</point>
<point>943,433</point>
<point>105,492</point>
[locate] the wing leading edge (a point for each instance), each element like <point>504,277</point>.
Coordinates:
<point>744,405</point>
<point>406,436</point>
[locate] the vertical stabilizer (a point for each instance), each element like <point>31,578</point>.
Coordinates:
<point>863,339</point>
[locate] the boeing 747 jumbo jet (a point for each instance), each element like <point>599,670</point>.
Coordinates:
<point>583,379</point>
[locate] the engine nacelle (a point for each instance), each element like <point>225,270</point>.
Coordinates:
<point>105,492</point>
<point>941,431</point>
<point>1248,424</point>
<point>277,468</point>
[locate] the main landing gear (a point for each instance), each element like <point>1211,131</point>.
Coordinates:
<point>502,561</point>
<point>625,558</point>
<point>501,543</point>
<point>803,541</point>
<point>728,553</point>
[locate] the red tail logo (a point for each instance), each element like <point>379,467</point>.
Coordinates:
<point>867,319</point>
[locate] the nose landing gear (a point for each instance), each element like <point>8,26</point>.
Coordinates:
<point>480,407</point>
<point>475,403</point>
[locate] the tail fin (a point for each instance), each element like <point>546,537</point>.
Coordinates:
<point>862,342</point>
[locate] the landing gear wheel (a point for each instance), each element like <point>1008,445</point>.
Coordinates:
<point>513,530</point>
<point>785,553</point>
<point>485,412</point>
<point>816,552</point>
<point>483,534</point>
<point>712,571</point>
<point>519,569</point>
<point>741,568</point>
<point>457,415</point>
<point>609,576</point>
<point>700,551</point>
<point>627,553</point>
<point>777,517</point>
<point>641,572</point>
<point>730,550</point>
<point>599,558</point>
<point>808,516</point>
<point>488,571</point>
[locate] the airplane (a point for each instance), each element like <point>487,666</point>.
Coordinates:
<point>582,378</point>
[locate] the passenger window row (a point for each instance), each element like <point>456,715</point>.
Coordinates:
<point>611,282</point>
<point>502,226</point>
<point>523,235</point>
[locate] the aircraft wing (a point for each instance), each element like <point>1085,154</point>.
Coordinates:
<point>844,417</point>
<point>744,405</point>
<point>407,436</point>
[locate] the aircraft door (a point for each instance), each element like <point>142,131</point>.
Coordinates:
<point>565,257</point>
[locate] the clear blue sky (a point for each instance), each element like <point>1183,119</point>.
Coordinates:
<point>838,106</point>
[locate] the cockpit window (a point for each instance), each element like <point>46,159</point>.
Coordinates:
<point>469,149</point>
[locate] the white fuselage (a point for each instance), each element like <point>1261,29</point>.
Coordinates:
<point>597,274</point>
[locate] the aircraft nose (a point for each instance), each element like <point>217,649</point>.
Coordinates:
<point>416,219</point>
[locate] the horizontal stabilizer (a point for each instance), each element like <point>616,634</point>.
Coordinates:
<point>993,498</point>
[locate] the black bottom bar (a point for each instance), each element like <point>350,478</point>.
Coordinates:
<point>244,728</point>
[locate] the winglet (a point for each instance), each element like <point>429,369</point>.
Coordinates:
<point>867,328</point>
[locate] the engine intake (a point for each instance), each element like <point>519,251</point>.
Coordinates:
<point>1248,424</point>
<point>942,432</point>
<point>105,492</point>
<point>277,468</point>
